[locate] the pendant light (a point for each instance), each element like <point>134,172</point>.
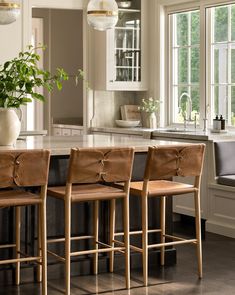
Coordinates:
<point>102,14</point>
<point>9,11</point>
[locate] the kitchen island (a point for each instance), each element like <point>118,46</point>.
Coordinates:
<point>60,149</point>
<point>61,145</point>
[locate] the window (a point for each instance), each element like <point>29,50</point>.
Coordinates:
<point>218,49</point>
<point>184,65</point>
<point>222,62</point>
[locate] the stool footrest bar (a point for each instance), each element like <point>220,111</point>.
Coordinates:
<point>59,240</point>
<point>135,248</point>
<point>20,260</point>
<point>96,251</point>
<point>56,256</point>
<point>138,232</point>
<point>192,241</point>
<point>7,246</point>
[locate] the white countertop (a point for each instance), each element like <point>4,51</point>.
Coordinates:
<point>61,145</point>
<point>194,135</point>
<point>181,134</point>
<point>165,133</point>
<point>128,131</point>
<point>33,132</point>
<point>72,126</point>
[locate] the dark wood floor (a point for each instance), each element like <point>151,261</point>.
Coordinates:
<point>219,276</point>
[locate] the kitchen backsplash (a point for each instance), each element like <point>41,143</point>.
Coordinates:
<point>107,106</point>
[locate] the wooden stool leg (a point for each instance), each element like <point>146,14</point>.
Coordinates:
<point>67,244</point>
<point>96,235</point>
<point>39,266</point>
<point>17,249</point>
<point>163,227</point>
<point>43,245</point>
<point>127,240</point>
<point>111,233</point>
<point>198,232</point>
<point>144,200</point>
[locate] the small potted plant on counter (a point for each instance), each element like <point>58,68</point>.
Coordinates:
<point>149,107</point>
<point>19,82</point>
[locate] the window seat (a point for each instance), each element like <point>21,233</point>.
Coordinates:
<point>226,180</point>
<point>221,216</point>
<point>225,162</point>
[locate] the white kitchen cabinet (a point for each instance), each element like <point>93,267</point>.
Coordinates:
<point>66,130</point>
<point>57,131</point>
<point>120,53</point>
<point>76,132</point>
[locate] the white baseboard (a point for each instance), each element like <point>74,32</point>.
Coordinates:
<point>220,228</point>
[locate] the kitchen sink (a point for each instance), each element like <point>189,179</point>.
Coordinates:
<point>178,130</point>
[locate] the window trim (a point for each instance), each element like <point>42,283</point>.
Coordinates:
<point>205,56</point>
<point>169,82</point>
<point>210,79</point>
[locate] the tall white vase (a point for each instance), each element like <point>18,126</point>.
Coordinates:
<point>149,120</point>
<point>152,121</point>
<point>9,126</point>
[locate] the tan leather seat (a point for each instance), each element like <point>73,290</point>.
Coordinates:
<point>20,169</point>
<point>164,163</point>
<point>91,173</point>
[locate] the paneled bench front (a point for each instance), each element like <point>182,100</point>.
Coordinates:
<point>221,217</point>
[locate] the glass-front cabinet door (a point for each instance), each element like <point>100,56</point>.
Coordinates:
<point>125,49</point>
<point>128,46</point>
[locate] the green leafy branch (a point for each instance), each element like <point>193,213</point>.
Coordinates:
<point>149,105</point>
<point>20,77</point>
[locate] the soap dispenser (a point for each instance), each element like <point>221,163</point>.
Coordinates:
<point>216,123</point>
<point>222,122</point>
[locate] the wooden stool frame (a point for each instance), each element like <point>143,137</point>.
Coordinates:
<point>89,170</point>
<point>20,169</point>
<point>163,163</point>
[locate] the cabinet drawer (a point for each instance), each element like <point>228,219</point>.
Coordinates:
<point>66,132</point>
<point>57,131</point>
<point>76,132</point>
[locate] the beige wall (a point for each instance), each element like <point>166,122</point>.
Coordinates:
<point>67,52</point>
<point>64,40</point>
<point>107,106</point>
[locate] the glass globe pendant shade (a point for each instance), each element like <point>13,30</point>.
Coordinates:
<point>102,14</point>
<point>9,11</point>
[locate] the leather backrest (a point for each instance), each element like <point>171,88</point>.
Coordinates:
<point>24,168</point>
<point>164,162</point>
<point>225,158</point>
<point>94,165</point>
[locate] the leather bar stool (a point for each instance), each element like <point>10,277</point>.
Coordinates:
<point>20,169</point>
<point>163,163</point>
<point>88,173</point>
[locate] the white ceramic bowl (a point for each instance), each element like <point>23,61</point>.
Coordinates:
<point>127,123</point>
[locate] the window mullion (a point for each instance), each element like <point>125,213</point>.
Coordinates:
<point>229,93</point>
<point>189,53</point>
<point>174,67</point>
<point>211,35</point>
<point>180,65</point>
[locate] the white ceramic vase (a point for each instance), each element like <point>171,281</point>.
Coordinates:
<point>149,120</point>
<point>9,126</point>
<point>152,121</point>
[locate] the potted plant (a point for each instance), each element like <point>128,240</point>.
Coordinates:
<point>149,107</point>
<point>19,79</point>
